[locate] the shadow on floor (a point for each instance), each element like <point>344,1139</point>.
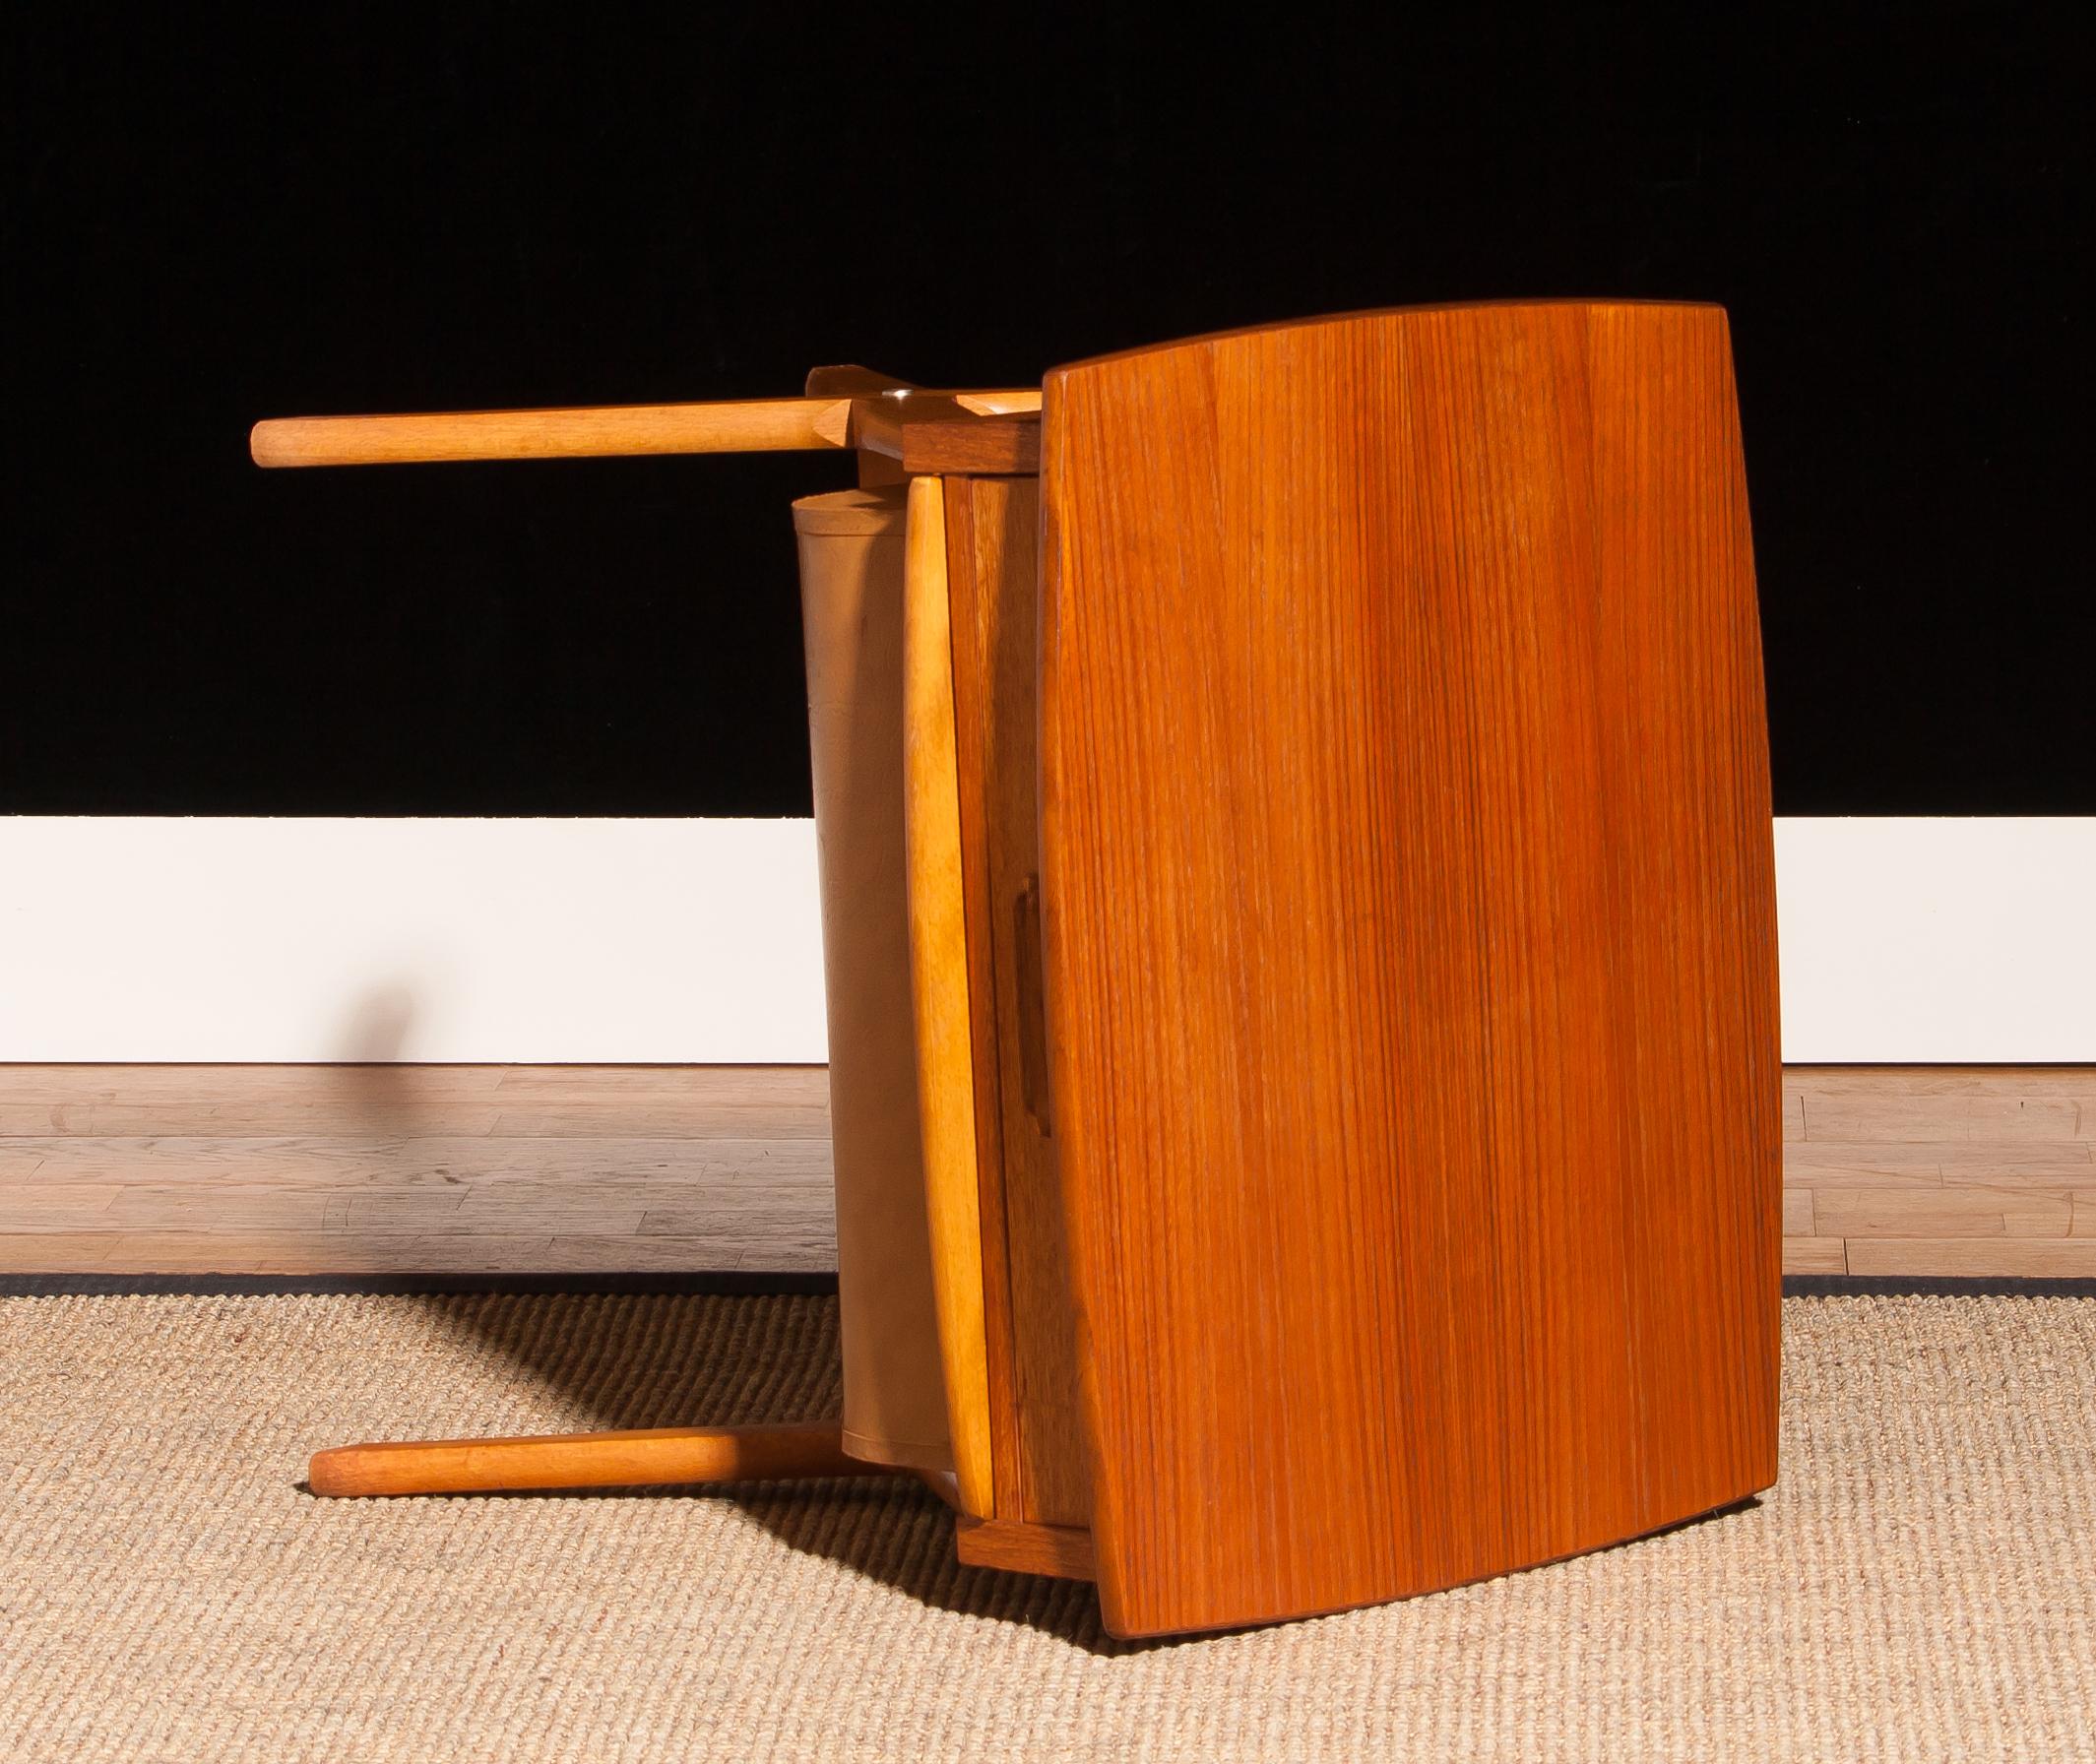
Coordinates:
<point>620,1361</point>
<point>631,1357</point>
<point>636,1360</point>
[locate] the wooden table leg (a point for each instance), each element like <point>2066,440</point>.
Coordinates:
<point>648,1455</point>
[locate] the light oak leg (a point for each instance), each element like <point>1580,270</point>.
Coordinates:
<point>648,1455</point>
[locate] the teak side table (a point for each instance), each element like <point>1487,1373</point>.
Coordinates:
<point>1300,939</point>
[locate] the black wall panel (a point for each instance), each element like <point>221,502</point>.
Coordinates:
<point>204,226</point>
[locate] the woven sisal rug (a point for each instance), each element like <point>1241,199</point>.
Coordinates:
<point>1921,1585</point>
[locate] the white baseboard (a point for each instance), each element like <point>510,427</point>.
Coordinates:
<point>442,940</point>
<point>698,941</point>
<point>1924,941</point>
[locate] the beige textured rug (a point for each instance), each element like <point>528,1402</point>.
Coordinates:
<point>1921,1585</point>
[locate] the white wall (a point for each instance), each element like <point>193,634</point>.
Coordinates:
<point>698,941</point>
<point>1938,940</point>
<point>613,941</point>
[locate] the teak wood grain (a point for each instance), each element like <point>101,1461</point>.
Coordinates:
<point>1062,1552</point>
<point>929,433</point>
<point>940,990</point>
<point>1410,948</point>
<point>991,525</point>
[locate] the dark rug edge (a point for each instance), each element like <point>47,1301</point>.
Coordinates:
<point>1918,1286</point>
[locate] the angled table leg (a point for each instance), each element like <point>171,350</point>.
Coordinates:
<point>651,1456</point>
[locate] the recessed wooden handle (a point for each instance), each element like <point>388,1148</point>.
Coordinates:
<point>1032,1006</point>
<point>646,1457</point>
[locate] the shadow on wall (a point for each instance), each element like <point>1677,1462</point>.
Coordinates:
<point>368,1072</point>
<point>376,1029</point>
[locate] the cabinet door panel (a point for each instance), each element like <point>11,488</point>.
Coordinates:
<point>1408,923</point>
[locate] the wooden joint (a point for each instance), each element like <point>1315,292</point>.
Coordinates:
<point>1059,1552</point>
